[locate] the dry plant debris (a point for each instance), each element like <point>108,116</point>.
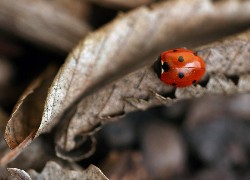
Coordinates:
<point>52,170</point>
<point>141,89</point>
<point>109,73</point>
<point>24,119</point>
<point>90,66</point>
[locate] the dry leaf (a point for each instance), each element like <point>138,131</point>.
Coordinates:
<point>120,45</point>
<point>60,29</point>
<point>142,89</point>
<point>18,174</point>
<point>129,41</point>
<point>90,63</point>
<point>54,171</point>
<point>26,116</point>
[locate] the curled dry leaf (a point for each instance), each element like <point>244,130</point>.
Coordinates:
<point>53,171</point>
<point>60,29</point>
<point>111,51</point>
<point>26,116</point>
<point>115,48</point>
<point>142,89</point>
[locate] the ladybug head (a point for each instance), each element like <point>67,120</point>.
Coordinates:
<point>157,66</point>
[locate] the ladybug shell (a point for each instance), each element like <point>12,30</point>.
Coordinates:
<point>180,67</point>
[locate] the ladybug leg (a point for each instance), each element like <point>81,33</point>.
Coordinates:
<point>196,53</point>
<point>194,82</point>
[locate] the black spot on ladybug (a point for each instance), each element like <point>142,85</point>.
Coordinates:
<point>175,50</point>
<point>157,66</point>
<point>194,82</point>
<point>181,75</point>
<point>165,66</point>
<point>174,84</point>
<point>180,59</point>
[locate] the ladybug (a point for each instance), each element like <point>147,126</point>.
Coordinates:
<point>179,67</point>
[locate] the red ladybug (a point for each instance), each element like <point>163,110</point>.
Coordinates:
<point>179,67</point>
